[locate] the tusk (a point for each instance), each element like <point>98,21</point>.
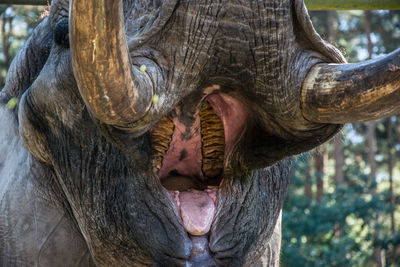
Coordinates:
<point>343,93</point>
<point>114,91</point>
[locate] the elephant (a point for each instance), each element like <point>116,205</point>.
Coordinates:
<point>160,133</point>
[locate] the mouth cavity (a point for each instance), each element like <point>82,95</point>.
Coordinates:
<point>190,160</point>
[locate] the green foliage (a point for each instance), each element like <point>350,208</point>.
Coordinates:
<point>311,229</point>
<point>341,229</point>
<point>350,221</point>
<point>16,23</point>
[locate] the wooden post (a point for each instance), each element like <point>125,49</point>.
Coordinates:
<point>352,4</point>
<point>26,2</point>
<point>310,4</point>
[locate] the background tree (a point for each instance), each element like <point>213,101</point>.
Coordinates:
<point>354,224</point>
<point>16,23</point>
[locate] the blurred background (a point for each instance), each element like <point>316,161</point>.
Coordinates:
<point>342,207</point>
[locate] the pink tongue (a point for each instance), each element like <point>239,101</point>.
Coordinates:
<point>197,211</point>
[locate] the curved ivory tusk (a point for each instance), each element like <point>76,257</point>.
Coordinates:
<point>342,93</point>
<point>115,92</point>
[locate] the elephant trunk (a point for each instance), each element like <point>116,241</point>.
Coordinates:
<point>343,93</point>
<point>116,92</point>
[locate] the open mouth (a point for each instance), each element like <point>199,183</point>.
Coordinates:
<point>190,158</point>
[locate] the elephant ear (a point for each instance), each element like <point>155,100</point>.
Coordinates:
<point>28,62</point>
<point>307,31</point>
<point>144,19</point>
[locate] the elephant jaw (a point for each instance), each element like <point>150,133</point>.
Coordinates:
<point>190,157</point>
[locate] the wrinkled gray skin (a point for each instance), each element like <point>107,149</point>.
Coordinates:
<point>76,192</point>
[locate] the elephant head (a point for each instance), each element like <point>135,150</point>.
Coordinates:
<point>166,127</point>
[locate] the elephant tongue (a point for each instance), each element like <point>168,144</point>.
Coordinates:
<point>197,209</point>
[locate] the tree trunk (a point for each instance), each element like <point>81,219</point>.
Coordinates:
<point>308,182</point>
<point>371,153</point>
<point>390,169</point>
<point>338,152</point>
<point>398,131</point>
<point>5,40</point>
<point>379,253</point>
<point>339,160</point>
<point>370,125</point>
<point>332,26</point>
<point>5,33</point>
<point>391,195</point>
<point>320,158</point>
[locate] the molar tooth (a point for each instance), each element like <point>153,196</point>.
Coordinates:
<point>213,141</point>
<point>212,186</point>
<point>161,137</point>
